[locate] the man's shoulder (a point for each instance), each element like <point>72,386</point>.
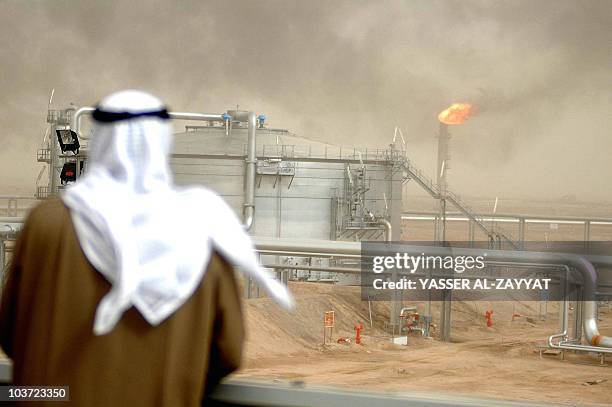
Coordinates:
<point>47,214</point>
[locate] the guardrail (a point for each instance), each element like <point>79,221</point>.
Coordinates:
<point>253,393</point>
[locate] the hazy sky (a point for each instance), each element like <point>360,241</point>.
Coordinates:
<point>539,72</point>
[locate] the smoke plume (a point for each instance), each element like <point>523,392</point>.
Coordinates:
<point>346,72</point>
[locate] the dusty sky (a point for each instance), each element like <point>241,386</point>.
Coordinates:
<point>539,72</point>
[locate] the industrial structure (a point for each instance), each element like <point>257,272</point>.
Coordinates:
<point>309,204</point>
<point>343,193</point>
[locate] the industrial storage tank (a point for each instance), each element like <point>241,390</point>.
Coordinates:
<point>304,188</point>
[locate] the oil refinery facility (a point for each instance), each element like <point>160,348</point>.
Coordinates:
<point>309,205</point>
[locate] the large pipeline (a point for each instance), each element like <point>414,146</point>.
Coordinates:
<point>251,160</point>
<point>251,166</point>
<point>581,264</point>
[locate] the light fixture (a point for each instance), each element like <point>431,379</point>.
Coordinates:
<point>68,140</point>
<point>68,173</point>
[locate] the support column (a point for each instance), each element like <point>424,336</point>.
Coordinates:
<point>471,236</point>
<point>587,230</point>
<point>578,314</point>
<point>54,160</point>
<point>564,308</point>
<point>441,224</point>
<point>394,202</point>
<point>522,233</point>
<point>247,287</point>
<point>445,315</point>
<point>443,158</point>
<point>436,228</point>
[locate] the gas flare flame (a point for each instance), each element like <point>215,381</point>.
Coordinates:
<point>457,113</point>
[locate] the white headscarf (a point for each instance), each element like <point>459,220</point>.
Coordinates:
<point>149,239</point>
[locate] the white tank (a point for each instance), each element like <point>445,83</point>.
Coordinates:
<point>300,188</point>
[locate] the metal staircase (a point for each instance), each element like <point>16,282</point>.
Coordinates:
<point>419,176</point>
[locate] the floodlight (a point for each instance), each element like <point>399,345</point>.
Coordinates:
<point>68,140</point>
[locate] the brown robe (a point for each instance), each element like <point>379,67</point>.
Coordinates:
<point>46,321</point>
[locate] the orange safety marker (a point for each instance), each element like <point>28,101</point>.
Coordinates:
<point>358,329</point>
<point>328,322</point>
<point>489,317</point>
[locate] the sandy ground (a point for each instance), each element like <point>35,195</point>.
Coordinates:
<point>499,362</point>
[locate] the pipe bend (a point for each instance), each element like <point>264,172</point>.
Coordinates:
<point>251,173</point>
<point>76,120</point>
<point>249,217</point>
<point>388,229</point>
<point>589,309</point>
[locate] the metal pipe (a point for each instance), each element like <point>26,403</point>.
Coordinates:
<point>309,254</point>
<point>313,268</point>
<point>313,159</point>
<point>407,309</point>
<point>205,117</point>
<point>18,197</point>
<point>202,117</point>
<point>396,297</point>
<point>388,229</point>
<point>421,330</point>
<point>355,271</point>
<point>76,120</point>
<point>564,311</point>
<point>574,346</point>
<point>8,230</point>
<point>583,265</point>
<point>11,219</point>
<point>251,159</point>
<point>513,217</point>
<point>251,163</point>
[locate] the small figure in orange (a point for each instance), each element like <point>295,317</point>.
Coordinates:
<point>489,317</point>
<point>358,329</point>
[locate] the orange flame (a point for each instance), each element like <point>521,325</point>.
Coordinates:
<point>457,113</point>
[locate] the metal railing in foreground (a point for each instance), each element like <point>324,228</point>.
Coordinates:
<point>257,393</point>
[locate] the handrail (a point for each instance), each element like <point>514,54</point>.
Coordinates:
<point>258,393</point>
<point>233,392</point>
<point>526,216</point>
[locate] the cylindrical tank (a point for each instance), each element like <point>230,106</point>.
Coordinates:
<point>293,199</point>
